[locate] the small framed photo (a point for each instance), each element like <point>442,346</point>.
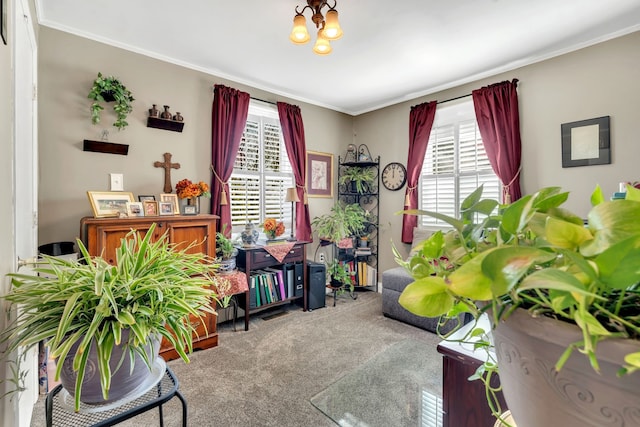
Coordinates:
<point>135,209</point>
<point>173,199</point>
<point>150,208</point>
<point>190,210</point>
<point>109,203</point>
<point>166,208</point>
<point>142,198</point>
<point>586,143</point>
<point>319,174</point>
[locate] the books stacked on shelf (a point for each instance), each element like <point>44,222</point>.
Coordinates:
<point>362,252</point>
<point>367,275</point>
<point>272,285</point>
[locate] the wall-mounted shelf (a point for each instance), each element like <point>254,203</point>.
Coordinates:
<point>105,147</point>
<point>172,125</point>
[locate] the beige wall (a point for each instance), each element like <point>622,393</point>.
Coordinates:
<point>601,80</point>
<point>596,81</point>
<point>67,67</point>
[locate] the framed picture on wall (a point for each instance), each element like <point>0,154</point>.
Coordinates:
<point>319,174</point>
<point>3,20</point>
<point>109,203</point>
<point>586,142</point>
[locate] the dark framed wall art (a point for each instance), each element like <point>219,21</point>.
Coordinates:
<point>3,19</point>
<point>319,174</point>
<point>586,142</point>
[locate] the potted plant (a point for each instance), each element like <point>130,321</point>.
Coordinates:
<point>339,275</point>
<point>344,221</point>
<point>361,178</point>
<point>226,251</point>
<point>110,89</point>
<point>117,312</point>
<point>551,284</point>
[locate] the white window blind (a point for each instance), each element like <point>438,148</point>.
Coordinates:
<point>455,164</point>
<point>261,172</point>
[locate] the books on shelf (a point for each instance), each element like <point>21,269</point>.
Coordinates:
<point>362,252</point>
<point>367,275</point>
<point>274,284</point>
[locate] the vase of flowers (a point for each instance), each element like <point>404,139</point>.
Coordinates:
<point>191,192</point>
<point>273,228</point>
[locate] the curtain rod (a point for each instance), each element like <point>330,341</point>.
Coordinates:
<point>454,99</point>
<point>262,100</point>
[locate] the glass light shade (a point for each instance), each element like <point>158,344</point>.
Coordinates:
<point>322,46</point>
<point>332,30</point>
<point>299,33</point>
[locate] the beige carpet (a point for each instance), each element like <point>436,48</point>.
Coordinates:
<point>267,376</point>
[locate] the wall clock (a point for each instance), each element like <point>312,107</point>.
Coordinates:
<point>394,176</point>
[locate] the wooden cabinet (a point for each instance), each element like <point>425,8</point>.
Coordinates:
<point>252,259</point>
<point>102,237</point>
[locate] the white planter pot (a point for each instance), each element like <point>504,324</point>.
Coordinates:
<point>528,348</point>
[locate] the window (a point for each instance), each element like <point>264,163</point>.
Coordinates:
<point>455,164</point>
<point>261,172</point>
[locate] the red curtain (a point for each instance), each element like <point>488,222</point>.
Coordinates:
<point>420,124</point>
<point>293,132</point>
<point>499,122</point>
<point>229,117</point>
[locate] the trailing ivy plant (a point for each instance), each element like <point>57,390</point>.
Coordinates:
<point>107,89</point>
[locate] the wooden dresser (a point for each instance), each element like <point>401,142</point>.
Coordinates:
<point>102,237</point>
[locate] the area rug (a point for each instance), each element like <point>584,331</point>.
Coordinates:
<point>401,386</point>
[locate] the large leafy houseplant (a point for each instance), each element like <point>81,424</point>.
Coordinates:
<point>110,89</point>
<point>343,221</point>
<point>151,292</point>
<point>535,255</point>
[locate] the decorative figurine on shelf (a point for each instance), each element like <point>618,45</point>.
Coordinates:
<point>166,114</point>
<point>178,117</point>
<point>350,157</point>
<point>363,153</point>
<point>249,235</point>
<point>153,112</point>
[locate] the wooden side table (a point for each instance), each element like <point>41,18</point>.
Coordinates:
<point>58,414</point>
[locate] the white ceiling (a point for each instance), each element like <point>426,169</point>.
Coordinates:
<point>391,51</point>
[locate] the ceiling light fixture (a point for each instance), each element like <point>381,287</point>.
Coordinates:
<point>328,28</point>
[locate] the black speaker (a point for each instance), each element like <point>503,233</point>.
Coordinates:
<point>317,285</point>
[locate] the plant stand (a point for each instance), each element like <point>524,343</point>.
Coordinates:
<point>336,290</point>
<point>58,414</point>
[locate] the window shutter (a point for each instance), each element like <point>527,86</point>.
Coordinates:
<point>262,173</point>
<point>455,165</point>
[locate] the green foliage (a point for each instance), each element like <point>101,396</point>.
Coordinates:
<point>110,87</point>
<point>536,255</point>
<point>224,246</point>
<point>362,177</point>
<point>340,274</point>
<point>344,220</point>
<point>154,286</point>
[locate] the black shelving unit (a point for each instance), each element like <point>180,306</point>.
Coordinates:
<point>369,200</point>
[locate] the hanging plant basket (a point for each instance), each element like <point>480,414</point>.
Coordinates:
<point>110,89</point>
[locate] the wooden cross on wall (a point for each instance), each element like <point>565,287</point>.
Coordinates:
<point>167,165</point>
